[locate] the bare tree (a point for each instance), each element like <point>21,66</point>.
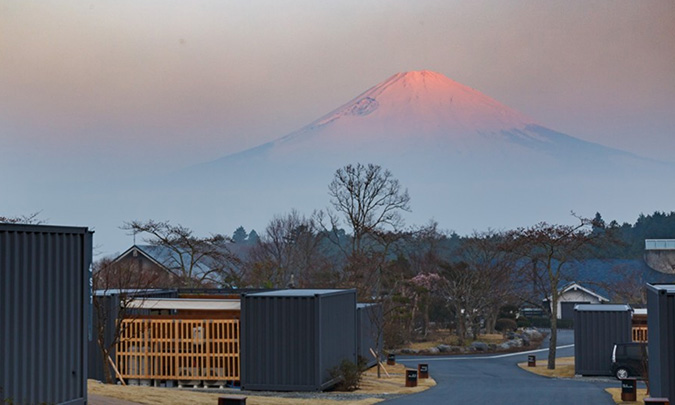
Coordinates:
<point>193,261</point>
<point>288,254</point>
<point>116,284</point>
<point>369,198</point>
<point>627,285</point>
<point>369,201</point>
<point>548,250</point>
<point>464,290</point>
<point>23,219</point>
<point>492,266</point>
<point>423,250</point>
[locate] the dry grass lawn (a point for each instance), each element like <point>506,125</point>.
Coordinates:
<point>444,336</point>
<point>495,338</point>
<point>391,385</point>
<point>423,345</point>
<point>172,396</point>
<point>564,367</point>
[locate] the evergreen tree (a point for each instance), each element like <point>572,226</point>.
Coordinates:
<point>253,237</point>
<point>239,235</point>
<point>598,224</point>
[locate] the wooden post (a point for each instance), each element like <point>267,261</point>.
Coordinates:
<point>379,362</point>
<point>117,372</point>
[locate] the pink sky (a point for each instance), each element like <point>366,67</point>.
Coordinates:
<point>103,89</point>
<point>198,80</point>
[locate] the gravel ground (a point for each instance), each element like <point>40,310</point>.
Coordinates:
<point>337,396</point>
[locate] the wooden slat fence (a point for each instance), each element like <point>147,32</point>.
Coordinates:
<point>639,334</point>
<point>179,349</point>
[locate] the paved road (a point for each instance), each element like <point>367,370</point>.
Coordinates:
<point>498,380</point>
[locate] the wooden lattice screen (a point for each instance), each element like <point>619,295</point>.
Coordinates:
<point>639,333</point>
<point>179,349</point>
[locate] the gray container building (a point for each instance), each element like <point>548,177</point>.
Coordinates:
<point>597,328</point>
<point>44,313</point>
<point>661,340</point>
<point>290,339</point>
<point>368,331</point>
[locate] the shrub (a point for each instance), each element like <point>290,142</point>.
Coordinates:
<point>348,375</point>
<point>541,322</point>
<point>523,322</point>
<point>545,322</point>
<point>505,324</point>
<point>508,311</point>
<point>565,324</point>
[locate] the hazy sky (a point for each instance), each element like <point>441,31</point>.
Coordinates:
<point>103,88</point>
<point>142,80</point>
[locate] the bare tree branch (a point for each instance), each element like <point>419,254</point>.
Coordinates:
<point>370,199</point>
<point>193,261</point>
<point>549,248</point>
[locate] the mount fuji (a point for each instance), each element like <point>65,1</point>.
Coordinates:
<point>468,161</point>
<point>424,115</point>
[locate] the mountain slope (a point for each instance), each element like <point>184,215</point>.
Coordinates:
<point>469,161</point>
<point>425,114</point>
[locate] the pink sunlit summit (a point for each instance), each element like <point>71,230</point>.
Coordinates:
<point>426,96</point>
<point>424,115</point>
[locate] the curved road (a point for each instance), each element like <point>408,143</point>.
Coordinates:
<point>496,379</point>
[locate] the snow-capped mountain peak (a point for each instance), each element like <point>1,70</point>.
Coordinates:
<point>461,153</point>
<point>418,97</point>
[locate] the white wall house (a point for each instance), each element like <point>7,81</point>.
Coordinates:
<point>572,294</point>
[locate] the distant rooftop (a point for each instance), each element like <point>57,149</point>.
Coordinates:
<point>186,303</point>
<point>130,291</point>
<point>659,244</point>
<point>296,293</point>
<point>668,288</point>
<point>602,307</point>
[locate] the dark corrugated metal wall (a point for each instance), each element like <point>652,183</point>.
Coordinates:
<point>595,333</point>
<point>661,340</point>
<point>289,342</point>
<point>95,361</point>
<point>44,313</point>
<point>368,319</point>
<point>338,332</point>
<point>279,343</point>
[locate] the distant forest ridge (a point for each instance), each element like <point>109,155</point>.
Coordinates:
<point>628,239</point>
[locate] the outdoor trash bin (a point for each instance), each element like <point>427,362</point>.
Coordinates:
<point>391,359</point>
<point>410,377</point>
<point>423,370</point>
<point>532,360</point>
<point>629,389</point>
